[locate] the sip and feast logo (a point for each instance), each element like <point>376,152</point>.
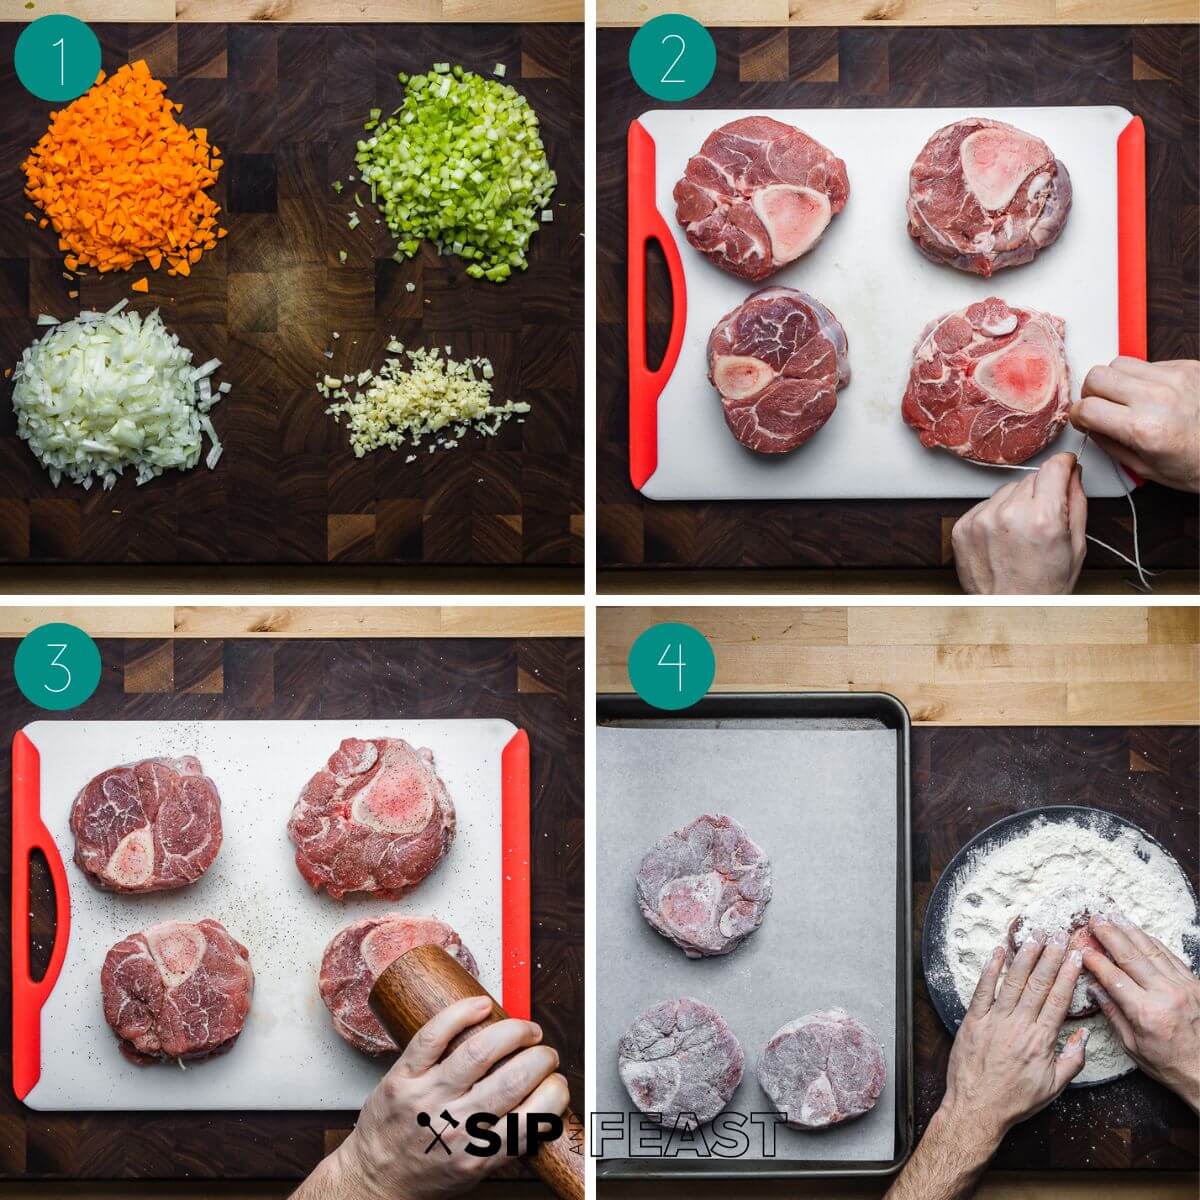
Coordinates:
<point>483,1138</point>
<point>729,1135</point>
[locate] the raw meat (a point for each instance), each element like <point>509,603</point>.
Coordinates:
<point>1079,937</point>
<point>705,886</point>
<point>778,361</point>
<point>376,818</point>
<point>359,954</point>
<point>822,1069</point>
<point>680,1063</point>
<point>758,195</point>
<point>148,826</point>
<point>983,195</point>
<point>177,990</point>
<point>990,382</point>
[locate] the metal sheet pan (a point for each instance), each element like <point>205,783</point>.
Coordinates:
<point>624,949</point>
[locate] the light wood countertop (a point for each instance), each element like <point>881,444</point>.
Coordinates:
<point>874,13</point>
<point>322,11</point>
<point>966,665</point>
<point>302,621</point>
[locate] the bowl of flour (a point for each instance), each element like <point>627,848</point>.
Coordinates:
<point>1047,864</point>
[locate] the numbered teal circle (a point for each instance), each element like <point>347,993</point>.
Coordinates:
<point>671,665</point>
<point>57,57</point>
<point>672,57</point>
<point>57,666</point>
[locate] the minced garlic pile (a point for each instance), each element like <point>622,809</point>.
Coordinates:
<point>416,394</point>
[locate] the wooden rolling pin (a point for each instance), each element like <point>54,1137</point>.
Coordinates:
<point>417,986</point>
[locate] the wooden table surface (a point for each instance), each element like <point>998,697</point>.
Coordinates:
<point>1012,706</point>
<point>283,672</point>
<point>874,13</point>
<point>750,545</point>
<point>285,105</point>
<point>320,11</point>
<point>968,665</point>
<point>302,621</point>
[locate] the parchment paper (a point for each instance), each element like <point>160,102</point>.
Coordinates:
<point>822,803</point>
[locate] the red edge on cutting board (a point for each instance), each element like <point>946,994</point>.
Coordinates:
<point>28,994</point>
<point>517,918</point>
<point>1131,244</point>
<point>646,225</point>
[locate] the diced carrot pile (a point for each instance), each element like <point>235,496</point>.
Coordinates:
<point>122,181</point>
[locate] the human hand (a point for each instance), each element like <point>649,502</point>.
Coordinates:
<point>1151,999</point>
<point>1147,416</point>
<point>500,1069</point>
<point>1003,1065</point>
<point>1027,539</point>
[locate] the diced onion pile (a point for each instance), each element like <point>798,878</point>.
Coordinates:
<point>417,394</point>
<point>460,162</point>
<point>114,390</point>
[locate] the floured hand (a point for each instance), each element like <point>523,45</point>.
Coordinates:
<point>1152,1000</point>
<point>1004,1066</point>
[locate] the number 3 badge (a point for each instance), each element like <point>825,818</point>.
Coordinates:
<point>57,666</point>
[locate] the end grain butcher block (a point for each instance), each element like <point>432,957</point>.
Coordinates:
<point>289,1056</point>
<point>286,103</point>
<point>869,273</point>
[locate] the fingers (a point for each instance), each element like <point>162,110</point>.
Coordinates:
<point>1100,415</point>
<point>1054,476</point>
<point>1019,972</point>
<point>1127,946</point>
<point>1123,454</point>
<point>1041,978</point>
<point>550,1096</point>
<point>1172,964</point>
<point>1077,514</point>
<point>1058,1001</point>
<point>1114,383</point>
<point>1070,1058</point>
<point>1116,985</point>
<point>985,989</point>
<point>1108,1006</point>
<point>430,1041</point>
<point>1138,368</point>
<point>480,1053</point>
<point>512,1081</point>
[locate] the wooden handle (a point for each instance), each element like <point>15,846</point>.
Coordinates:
<point>416,987</point>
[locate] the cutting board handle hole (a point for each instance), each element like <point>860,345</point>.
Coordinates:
<point>658,305</point>
<point>42,923</point>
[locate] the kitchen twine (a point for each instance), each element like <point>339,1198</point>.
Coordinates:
<point>1135,562</point>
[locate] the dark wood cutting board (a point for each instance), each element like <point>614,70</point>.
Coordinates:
<point>536,683</point>
<point>964,780</point>
<point>1151,71</point>
<point>286,104</point>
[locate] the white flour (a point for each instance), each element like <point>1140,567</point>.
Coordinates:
<point>1050,873</point>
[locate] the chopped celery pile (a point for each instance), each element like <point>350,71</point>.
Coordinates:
<point>460,162</point>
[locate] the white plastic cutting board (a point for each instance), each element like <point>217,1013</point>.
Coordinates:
<point>868,271</point>
<point>288,1056</point>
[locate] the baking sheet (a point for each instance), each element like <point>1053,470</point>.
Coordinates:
<point>822,804</point>
<point>868,271</point>
<point>288,1055</point>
